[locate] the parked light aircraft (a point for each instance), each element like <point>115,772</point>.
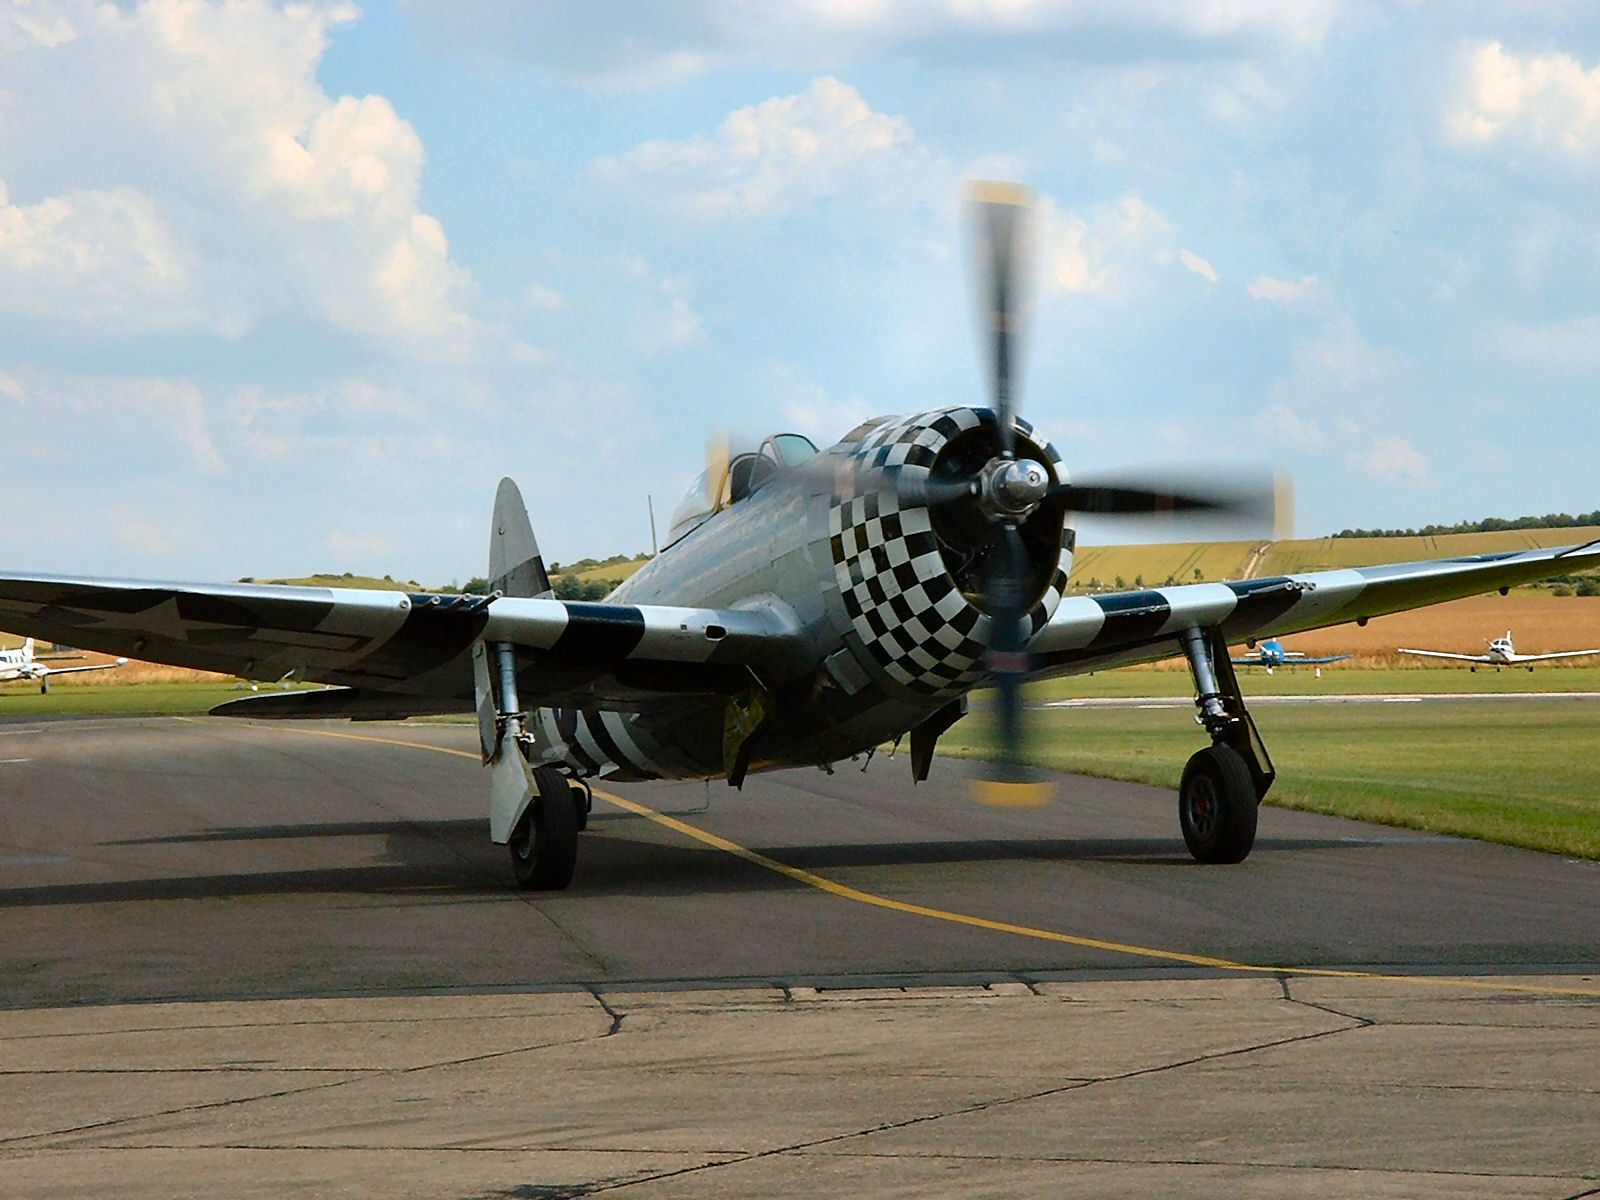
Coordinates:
<point>23,663</point>
<point>807,608</point>
<point>1502,652</point>
<point>1272,654</point>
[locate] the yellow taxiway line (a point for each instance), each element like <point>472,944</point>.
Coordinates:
<point>846,892</point>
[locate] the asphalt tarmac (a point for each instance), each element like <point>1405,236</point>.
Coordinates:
<point>259,960</point>
<point>212,859</point>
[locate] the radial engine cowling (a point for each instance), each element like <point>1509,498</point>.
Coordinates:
<point>911,577</point>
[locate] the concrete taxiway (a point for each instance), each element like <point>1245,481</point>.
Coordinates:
<point>258,958</point>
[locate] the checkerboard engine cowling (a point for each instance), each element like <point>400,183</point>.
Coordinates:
<point>902,602</point>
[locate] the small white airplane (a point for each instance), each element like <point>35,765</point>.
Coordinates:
<point>1502,653</point>
<point>22,663</point>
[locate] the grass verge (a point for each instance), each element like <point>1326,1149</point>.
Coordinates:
<point>121,700</point>
<point>1523,773</point>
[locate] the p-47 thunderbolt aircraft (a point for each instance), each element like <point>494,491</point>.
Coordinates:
<point>1272,654</point>
<point>1502,653</point>
<point>22,663</point>
<point>808,607</point>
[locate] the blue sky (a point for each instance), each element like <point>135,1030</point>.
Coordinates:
<point>287,288</point>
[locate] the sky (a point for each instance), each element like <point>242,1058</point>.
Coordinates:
<point>288,287</point>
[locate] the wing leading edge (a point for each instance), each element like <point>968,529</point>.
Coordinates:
<point>403,653</point>
<point>1471,658</point>
<point>1094,632</point>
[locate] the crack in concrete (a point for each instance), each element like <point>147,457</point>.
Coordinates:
<point>366,1075</point>
<point>616,1017</point>
<point>981,1106</point>
<point>932,1156</point>
<point>202,1028</point>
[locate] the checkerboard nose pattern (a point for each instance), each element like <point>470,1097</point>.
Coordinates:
<point>898,591</point>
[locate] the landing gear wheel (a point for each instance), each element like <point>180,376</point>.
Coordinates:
<point>44,687</point>
<point>1217,805</point>
<point>582,803</point>
<point>544,843</point>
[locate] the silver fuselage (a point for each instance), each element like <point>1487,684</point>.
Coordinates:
<point>776,549</point>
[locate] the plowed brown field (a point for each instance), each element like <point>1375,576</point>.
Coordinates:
<point>1539,623</point>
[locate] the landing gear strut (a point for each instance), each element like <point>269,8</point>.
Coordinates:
<point>1223,784</point>
<point>534,809</point>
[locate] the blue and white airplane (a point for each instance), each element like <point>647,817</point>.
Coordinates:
<point>1272,654</point>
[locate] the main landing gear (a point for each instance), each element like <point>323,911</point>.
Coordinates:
<point>544,841</point>
<point>549,809</point>
<point>1223,784</point>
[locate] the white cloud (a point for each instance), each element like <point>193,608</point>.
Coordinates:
<point>770,159</point>
<point>356,547</point>
<point>1565,346</point>
<point>166,418</point>
<point>665,320</point>
<point>1111,244</point>
<point>1282,291</point>
<point>145,537</point>
<point>1280,425</point>
<point>1198,265</point>
<point>1549,101</point>
<point>25,24</point>
<point>807,408</point>
<point>1392,459</point>
<point>207,181</point>
<point>634,45</point>
<point>105,258</point>
<point>543,299</point>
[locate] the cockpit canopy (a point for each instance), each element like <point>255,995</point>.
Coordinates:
<point>740,475</point>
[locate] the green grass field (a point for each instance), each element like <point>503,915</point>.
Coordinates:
<point>1336,680</point>
<point>1524,773</point>
<point>124,700</point>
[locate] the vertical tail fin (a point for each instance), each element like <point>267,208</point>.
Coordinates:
<point>515,567</point>
<point>27,650</point>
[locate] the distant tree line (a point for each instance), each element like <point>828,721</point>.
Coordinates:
<point>1487,525</point>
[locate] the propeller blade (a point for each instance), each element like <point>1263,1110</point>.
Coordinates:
<point>716,467</point>
<point>1001,215</point>
<point>1008,779</point>
<point>1254,501</point>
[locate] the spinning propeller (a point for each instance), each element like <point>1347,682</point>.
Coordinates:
<point>1007,489</point>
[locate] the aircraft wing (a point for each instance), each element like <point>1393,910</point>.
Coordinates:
<point>1249,660</point>
<point>1471,658</point>
<point>1317,662</point>
<point>403,652</point>
<point>1089,633</point>
<point>95,667</point>
<point>1528,658</point>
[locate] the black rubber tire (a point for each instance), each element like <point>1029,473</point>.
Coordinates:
<point>544,843</point>
<point>1217,806</point>
<point>582,804</point>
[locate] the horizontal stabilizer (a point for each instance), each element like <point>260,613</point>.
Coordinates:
<point>359,704</point>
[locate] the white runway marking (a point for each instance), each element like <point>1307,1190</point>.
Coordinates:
<point>15,760</point>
